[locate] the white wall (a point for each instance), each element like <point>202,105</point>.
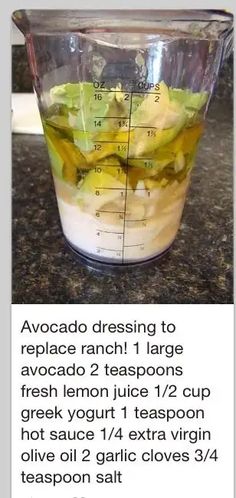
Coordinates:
<point>17,37</point>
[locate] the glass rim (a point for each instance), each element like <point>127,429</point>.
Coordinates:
<point>196,23</point>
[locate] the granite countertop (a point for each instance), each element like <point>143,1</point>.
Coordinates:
<point>197,269</point>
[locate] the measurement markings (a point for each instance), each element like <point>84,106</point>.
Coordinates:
<point>114,212</point>
<point>134,245</point>
<point>142,158</point>
<point>110,188</point>
<point>108,166</point>
<point>143,219</point>
<point>109,91</point>
<point>146,93</point>
<point>110,231</point>
<point>106,249</point>
<point>120,188</point>
<point>111,117</point>
<point>126,182</point>
<point>109,142</point>
<point>127,92</point>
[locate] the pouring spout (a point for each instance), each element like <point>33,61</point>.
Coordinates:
<point>21,20</point>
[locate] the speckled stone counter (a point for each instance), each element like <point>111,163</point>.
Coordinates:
<point>198,268</point>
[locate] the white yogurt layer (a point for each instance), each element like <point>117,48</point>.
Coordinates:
<point>123,237</point>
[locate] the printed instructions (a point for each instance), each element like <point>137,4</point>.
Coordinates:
<point>105,401</point>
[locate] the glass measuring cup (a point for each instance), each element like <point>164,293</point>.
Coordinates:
<point>123,97</point>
